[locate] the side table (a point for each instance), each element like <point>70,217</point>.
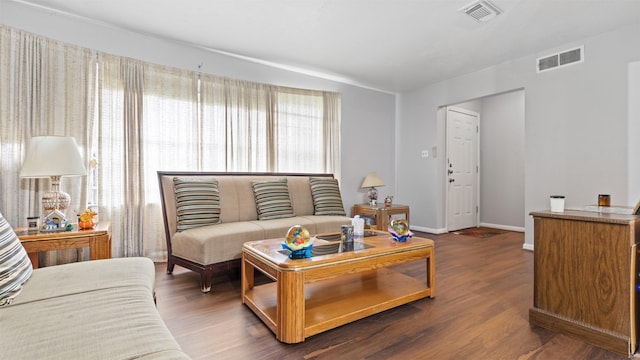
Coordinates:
<point>381,213</point>
<point>98,240</point>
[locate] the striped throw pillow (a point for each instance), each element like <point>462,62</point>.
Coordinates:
<point>326,196</point>
<point>15,266</point>
<point>197,202</point>
<point>272,199</point>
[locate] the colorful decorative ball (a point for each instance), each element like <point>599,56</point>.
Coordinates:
<point>399,230</point>
<point>297,237</point>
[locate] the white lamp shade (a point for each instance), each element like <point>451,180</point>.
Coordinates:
<point>53,156</point>
<point>372,180</point>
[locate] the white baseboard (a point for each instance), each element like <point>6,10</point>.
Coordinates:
<point>525,246</point>
<point>429,230</point>
<point>503,227</point>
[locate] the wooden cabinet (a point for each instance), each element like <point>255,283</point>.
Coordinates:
<point>585,277</point>
<point>382,214</point>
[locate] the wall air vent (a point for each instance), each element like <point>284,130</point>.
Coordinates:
<point>481,11</point>
<point>558,60</point>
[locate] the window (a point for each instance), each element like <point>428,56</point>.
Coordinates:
<point>205,123</point>
<point>300,144</point>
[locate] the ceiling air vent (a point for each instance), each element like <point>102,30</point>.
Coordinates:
<point>481,11</point>
<point>565,58</point>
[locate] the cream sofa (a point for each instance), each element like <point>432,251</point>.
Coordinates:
<point>215,247</point>
<point>100,309</point>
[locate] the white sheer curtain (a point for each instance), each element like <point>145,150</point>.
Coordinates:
<point>171,141</point>
<point>138,118</point>
<point>299,120</point>
<point>235,118</point>
<point>120,83</point>
<point>256,127</point>
<point>331,133</point>
<point>46,88</point>
<point>147,122</point>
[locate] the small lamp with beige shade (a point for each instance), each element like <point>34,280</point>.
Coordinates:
<point>54,157</point>
<point>372,181</point>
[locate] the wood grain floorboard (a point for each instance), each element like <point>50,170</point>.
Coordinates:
<point>484,289</point>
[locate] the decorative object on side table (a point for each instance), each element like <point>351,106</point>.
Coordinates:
<point>388,201</point>
<point>32,224</point>
<point>399,230</point>
<point>54,157</point>
<point>85,220</point>
<point>299,242</point>
<point>371,181</point>
<point>55,222</point>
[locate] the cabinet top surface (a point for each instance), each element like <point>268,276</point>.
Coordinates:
<point>593,216</point>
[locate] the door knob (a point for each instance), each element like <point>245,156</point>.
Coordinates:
<point>452,180</point>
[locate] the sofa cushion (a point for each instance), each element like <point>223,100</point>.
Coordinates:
<point>278,228</point>
<point>327,199</point>
<point>197,202</point>
<point>15,266</point>
<point>300,193</point>
<point>113,323</point>
<point>327,223</point>
<point>99,309</point>
<point>86,276</point>
<point>215,243</point>
<point>272,199</point>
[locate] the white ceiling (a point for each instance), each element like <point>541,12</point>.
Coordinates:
<point>391,45</point>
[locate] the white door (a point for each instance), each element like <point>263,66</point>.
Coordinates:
<point>462,169</point>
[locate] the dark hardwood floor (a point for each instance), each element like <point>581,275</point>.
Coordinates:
<point>483,294</point>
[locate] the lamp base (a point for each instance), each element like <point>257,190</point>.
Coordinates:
<point>373,196</point>
<point>55,200</point>
<point>54,204</point>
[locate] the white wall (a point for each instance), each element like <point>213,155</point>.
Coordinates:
<point>502,157</point>
<point>472,105</point>
<point>576,122</point>
<point>634,132</point>
<point>368,116</point>
<point>501,152</point>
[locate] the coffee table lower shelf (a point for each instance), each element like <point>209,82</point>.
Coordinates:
<point>341,300</point>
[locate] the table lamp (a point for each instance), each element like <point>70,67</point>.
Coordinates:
<point>53,156</point>
<point>371,181</point>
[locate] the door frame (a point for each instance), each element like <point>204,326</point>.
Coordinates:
<point>446,157</point>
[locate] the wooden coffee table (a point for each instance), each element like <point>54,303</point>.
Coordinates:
<point>309,296</point>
